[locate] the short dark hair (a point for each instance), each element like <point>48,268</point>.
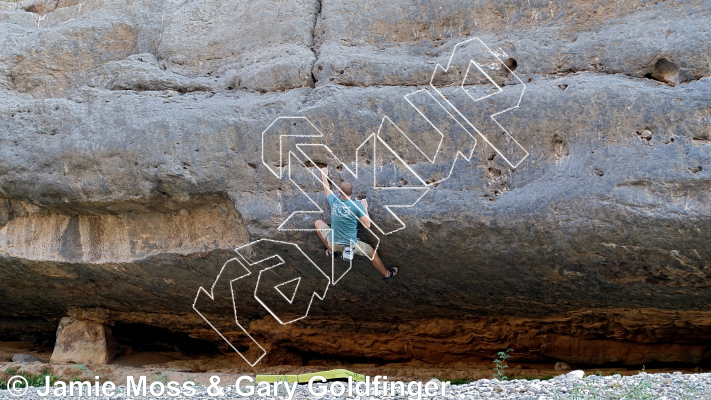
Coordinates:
<point>346,188</point>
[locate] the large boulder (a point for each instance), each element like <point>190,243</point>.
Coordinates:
<point>131,168</point>
<point>83,342</point>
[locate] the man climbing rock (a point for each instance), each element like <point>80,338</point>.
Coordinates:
<point>342,236</point>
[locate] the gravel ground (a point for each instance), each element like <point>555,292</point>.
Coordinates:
<point>570,386</point>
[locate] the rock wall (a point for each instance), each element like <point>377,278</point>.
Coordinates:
<point>130,169</point>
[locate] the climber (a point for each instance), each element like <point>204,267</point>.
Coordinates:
<point>342,236</point>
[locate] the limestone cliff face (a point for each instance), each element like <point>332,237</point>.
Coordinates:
<point>131,168</point>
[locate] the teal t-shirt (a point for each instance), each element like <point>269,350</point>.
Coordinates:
<point>344,219</point>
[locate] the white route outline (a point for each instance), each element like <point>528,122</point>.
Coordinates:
<point>296,289</point>
<point>499,90</point>
<point>211,294</point>
<point>281,137</point>
<point>292,157</point>
<point>288,218</point>
<point>439,147</point>
<point>282,262</point>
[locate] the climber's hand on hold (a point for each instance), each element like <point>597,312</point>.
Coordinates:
<point>364,203</point>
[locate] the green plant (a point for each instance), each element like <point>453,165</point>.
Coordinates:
<point>500,364</point>
<point>641,389</point>
<point>37,379</point>
<point>83,368</point>
<point>690,391</point>
<point>161,377</point>
<point>282,390</point>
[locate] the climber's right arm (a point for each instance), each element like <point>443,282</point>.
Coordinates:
<point>324,181</point>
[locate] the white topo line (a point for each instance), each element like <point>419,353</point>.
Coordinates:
<point>293,159</point>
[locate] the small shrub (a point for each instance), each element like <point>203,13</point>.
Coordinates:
<point>84,369</point>
<point>161,377</point>
<point>37,379</point>
<point>500,364</point>
<point>643,389</point>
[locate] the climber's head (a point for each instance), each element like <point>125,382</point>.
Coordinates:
<point>346,189</point>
